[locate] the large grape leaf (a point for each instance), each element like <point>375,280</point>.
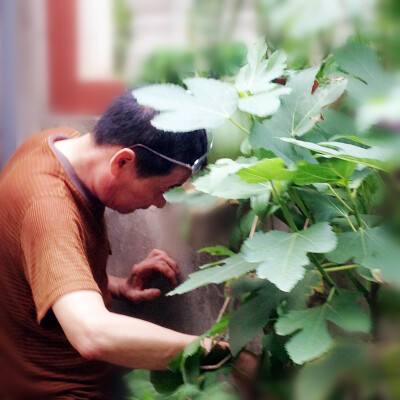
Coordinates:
<point>259,96</point>
<point>311,337</point>
<point>222,180</point>
<point>299,112</point>
<point>377,92</point>
<point>281,256</point>
<point>266,170</point>
<point>317,379</point>
<point>206,104</point>
<point>249,320</point>
<point>374,157</point>
<point>233,267</point>
<point>331,171</point>
<point>334,125</point>
<point>372,248</point>
<point>261,136</point>
<point>258,72</point>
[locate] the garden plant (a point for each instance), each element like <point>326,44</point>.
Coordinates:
<point>313,266</point>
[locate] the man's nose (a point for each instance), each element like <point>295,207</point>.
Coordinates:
<point>160,203</point>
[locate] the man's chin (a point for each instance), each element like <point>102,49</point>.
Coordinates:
<point>131,210</point>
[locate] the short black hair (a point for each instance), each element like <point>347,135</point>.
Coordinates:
<point>126,123</point>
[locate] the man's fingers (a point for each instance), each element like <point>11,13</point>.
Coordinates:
<point>165,257</point>
<point>165,269</point>
<point>137,296</point>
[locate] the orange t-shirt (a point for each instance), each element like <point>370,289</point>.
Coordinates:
<point>53,241</point>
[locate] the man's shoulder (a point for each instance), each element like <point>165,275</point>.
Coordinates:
<point>34,172</point>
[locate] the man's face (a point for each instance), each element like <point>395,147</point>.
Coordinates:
<point>132,192</point>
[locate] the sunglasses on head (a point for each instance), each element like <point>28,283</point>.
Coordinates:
<point>196,166</point>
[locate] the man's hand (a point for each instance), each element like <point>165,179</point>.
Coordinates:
<point>136,286</point>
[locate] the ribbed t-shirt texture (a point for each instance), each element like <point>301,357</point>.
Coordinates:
<point>53,241</point>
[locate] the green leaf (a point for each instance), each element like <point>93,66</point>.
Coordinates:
<point>259,96</point>
<point>242,286</point>
<point>217,251</point>
<point>266,170</point>
<point>377,93</point>
<point>206,104</point>
<point>233,267</point>
<point>311,337</point>
<point>264,103</point>
<point>361,61</point>
<point>317,379</point>
<point>282,256</point>
<point>374,157</point>
<point>346,313</point>
<point>139,384</point>
<point>357,245</point>
<point>324,208</point>
<point>334,125</point>
<point>332,171</point>
<point>258,73</point>
<point>246,323</point>
<point>222,180</point>
<point>372,248</point>
<point>261,136</point>
<point>299,112</point>
<point>166,382</point>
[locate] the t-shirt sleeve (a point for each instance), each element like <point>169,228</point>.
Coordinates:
<point>54,252</point>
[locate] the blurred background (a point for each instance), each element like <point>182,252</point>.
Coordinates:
<point>62,61</point>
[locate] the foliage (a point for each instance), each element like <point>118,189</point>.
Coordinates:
<point>308,164</point>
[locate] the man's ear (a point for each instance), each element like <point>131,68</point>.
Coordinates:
<point>121,160</point>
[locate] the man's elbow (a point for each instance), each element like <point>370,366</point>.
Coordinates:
<point>88,343</point>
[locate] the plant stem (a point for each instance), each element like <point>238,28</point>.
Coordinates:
<point>299,202</point>
<point>356,213</point>
<point>357,283</point>
<point>346,205</point>
<point>328,279</point>
<point>342,268</point>
<point>339,198</point>
<point>331,294</point>
<point>350,223</point>
<point>254,226</point>
<point>328,264</point>
<point>239,126</point>
<point>284,208</point>
<point>223,309</point>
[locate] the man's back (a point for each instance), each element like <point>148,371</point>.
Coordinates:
<point>52,242</point>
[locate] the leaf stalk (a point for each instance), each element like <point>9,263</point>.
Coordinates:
<point>239,126</point>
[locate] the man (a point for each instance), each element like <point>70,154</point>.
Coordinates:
<point>58,336</point>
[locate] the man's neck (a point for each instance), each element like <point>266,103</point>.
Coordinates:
<point>81,153</point>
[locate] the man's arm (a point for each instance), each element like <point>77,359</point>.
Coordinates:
<point>99,334</point>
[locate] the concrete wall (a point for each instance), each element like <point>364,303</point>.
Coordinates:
<point>133,236</point>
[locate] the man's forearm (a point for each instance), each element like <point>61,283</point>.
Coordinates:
<point>99,334</point>
<point>135,343</point>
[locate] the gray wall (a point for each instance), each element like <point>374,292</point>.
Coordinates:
<point>133,236</point>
